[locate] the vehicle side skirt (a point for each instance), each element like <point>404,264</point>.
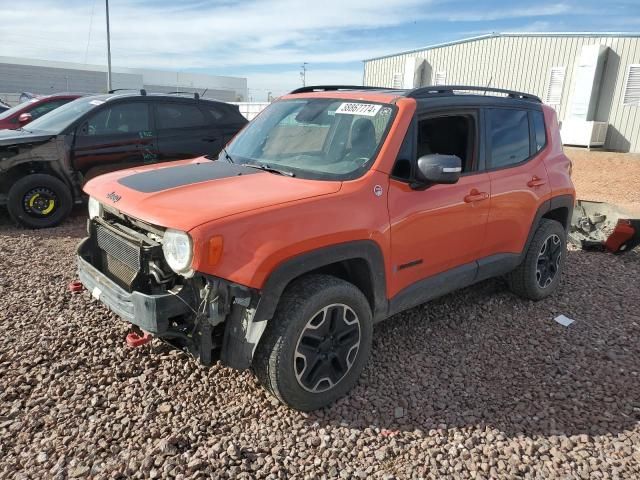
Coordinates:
<point>473,272</point>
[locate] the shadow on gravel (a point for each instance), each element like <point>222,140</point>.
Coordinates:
<point>483,357</point>
<point>74,226</point>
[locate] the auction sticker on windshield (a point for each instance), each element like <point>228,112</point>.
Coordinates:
<point>368,109</point>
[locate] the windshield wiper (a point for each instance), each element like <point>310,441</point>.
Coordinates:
<point>226,154</point>
<point>267,168</point>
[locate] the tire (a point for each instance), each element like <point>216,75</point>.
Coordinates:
<point>540,273</point>
<point>312,308</point>
<point>39,201</point>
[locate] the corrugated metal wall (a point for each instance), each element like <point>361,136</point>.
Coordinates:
<point>44,80</point>
<point>524,63</point>
<point>44,77</point>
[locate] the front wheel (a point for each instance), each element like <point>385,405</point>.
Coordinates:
<point>538,276</point>
<point>39,201</point>
<point>317,344</point>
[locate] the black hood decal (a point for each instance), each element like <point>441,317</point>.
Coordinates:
<point>172,177</point>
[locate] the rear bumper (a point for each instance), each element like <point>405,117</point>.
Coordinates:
<point>151,313</point>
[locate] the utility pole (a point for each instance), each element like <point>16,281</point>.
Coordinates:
<point>303,74</point>
<point>108,50</point>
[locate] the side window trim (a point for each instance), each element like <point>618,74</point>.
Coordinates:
<point>488,146</point>
<point>532,135</point>
<point>410,138</point>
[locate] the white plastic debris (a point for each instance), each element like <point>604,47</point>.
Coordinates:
<point>564,321</point>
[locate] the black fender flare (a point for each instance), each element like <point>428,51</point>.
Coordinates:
<point>367,250</point>
<point>245,326</point>
<point>560,201</point>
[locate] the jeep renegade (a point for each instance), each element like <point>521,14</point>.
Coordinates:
<point>336,208</point>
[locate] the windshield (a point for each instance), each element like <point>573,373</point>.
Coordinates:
<point>60,118</point>
<point>314,138</point>
<point>17,108</point>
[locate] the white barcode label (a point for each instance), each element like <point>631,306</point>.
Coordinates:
<point>368,109</point>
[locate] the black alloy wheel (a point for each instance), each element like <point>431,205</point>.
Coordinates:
<point>327,348</point>
<point>549,259</point>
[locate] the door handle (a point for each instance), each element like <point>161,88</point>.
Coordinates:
<point>536,182</point>
<point>210,139</point>
<point>475,196</point>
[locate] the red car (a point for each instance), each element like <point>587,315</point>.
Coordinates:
<point>25,112</point>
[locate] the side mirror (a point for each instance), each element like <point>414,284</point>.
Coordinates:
<point>436,168</point>
<point>24,118</point>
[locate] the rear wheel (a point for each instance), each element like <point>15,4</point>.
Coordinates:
<point>39,201</point>
<point>317,343</point>
<point>538,276</point>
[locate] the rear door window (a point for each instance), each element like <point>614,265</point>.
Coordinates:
<point>121,118</point>
<point>509,136</point>
<point>178,115</point>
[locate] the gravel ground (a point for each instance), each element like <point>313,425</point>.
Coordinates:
<point>478,384</point>
<point>607,177</point>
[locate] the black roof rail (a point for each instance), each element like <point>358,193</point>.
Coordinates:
<point>445,90</point>
<point>328,88</point>
<point>196,95</point>
<point>142,91</point>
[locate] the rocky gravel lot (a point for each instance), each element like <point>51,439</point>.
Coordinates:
<point>478,384</point>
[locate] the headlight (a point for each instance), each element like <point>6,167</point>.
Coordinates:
<point>95,208</point>
<point>178,251</point>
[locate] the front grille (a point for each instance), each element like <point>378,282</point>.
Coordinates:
<point>121,258</point>
<point>118,247</point>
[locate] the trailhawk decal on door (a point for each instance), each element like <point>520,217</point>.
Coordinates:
<point>367,109</point>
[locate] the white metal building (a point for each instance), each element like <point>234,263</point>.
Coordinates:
<point>592,79</point>
<point>46,77</point>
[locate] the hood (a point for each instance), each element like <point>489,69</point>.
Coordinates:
<point>17,137</point>
<point>185,194</point>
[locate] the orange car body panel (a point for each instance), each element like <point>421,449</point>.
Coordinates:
<point>266,219</point>
<point>435,227</point>
<point>167,207</point>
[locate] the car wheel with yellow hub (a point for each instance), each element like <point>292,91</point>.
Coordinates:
<point>39,201</point>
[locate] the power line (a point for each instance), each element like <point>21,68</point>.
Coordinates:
<point>86,52</point>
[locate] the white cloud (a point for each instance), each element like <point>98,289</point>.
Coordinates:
<point>544,10</point>
<point>235,36</point>
<point>219,35</point>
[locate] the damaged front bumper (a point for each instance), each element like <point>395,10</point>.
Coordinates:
<point>151,313</point>
<point>205,316</point>
<point>602,226</point>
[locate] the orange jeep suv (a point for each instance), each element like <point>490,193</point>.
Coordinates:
<point>336,208</point>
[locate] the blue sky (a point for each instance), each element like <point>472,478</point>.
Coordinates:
<point>267,40</point>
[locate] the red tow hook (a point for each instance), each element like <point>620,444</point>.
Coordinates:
<point>76,286</point>
<point>134,339</point>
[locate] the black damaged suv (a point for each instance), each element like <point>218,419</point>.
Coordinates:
<point>44,165</point>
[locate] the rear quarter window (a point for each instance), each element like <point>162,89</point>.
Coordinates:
<point>539,129</point>
<point>177,115</point>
